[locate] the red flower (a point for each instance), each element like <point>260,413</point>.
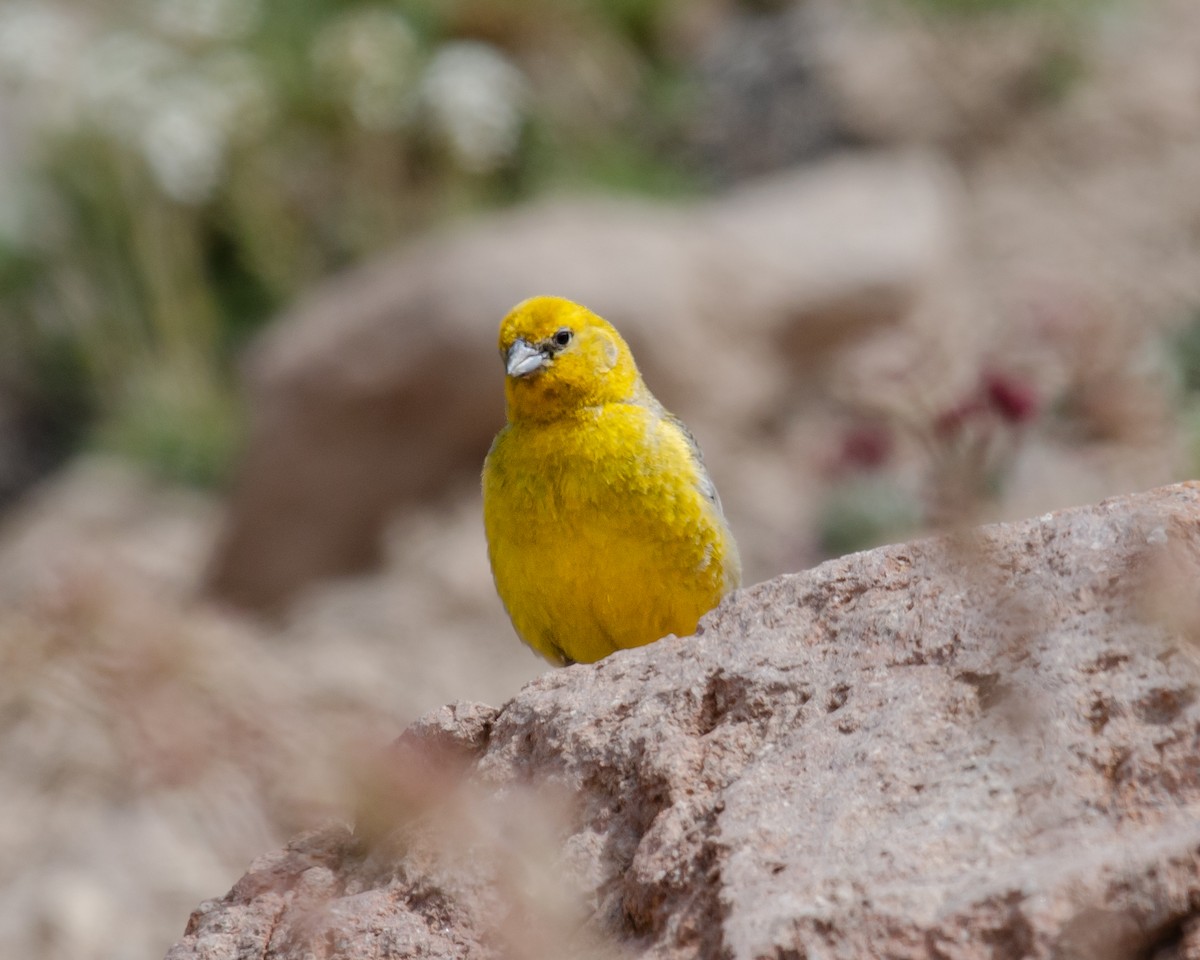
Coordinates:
<point>1015,400</point>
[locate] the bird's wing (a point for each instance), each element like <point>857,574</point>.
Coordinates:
<point>703,480</point>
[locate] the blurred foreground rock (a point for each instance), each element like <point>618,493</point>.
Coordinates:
<point>981,746</point>
<point>151,743</point>
<point>384,388</point>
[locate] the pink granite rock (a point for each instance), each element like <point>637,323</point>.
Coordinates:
<point>986,746</point>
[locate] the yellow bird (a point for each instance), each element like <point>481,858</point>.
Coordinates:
<point>604,530</point>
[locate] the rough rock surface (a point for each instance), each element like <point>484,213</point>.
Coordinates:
<point>984,746</point>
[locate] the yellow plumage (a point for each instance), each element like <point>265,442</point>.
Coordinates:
<point>604,530</point>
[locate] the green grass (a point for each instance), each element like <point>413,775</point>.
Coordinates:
<point>866,512</point>
<point>184,427</point>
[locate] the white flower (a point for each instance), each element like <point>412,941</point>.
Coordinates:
<point>368,59</point>
<point>36,42</point>
<point>187,132</point>
<point>122,79</point>
<point>180,114</point>
<point>185,152</point>
<point>39,49</point>
<point>208,19</point>
<point>475,99</point>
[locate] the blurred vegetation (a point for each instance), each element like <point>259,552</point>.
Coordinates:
<point>183,169</point>
<point>867,511</point>
<point>188,166</point>
<point>979,7</point>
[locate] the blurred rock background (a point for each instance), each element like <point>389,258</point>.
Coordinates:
<point>901,264</point>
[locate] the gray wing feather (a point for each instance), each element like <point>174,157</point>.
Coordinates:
<point>704,483</point>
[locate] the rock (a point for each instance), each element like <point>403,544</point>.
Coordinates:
<point>1076,135</point>
<point>383,389</point>
<point>153,744</point>
<point>764,102</point>
<point>974,747</point>
<point>104,513</point>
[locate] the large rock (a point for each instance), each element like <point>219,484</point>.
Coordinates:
<point>383,389</point>
<point>976,747</point>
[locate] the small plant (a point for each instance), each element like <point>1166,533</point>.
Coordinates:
<point>867,511</point>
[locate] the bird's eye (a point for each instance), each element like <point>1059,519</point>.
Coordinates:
<point>562,337</point>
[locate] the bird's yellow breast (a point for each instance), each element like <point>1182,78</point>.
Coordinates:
<point>600,534</point>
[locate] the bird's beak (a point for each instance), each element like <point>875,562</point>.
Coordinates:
<point>524,358</point>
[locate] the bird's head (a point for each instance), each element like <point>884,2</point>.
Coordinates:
<point>560,357</point>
